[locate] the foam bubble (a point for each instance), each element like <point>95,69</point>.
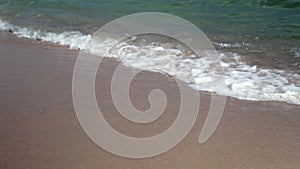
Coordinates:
<point>242,81</point>
<point>295,52</point>
<point>74,39</point>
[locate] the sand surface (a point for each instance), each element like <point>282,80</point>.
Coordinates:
<point>39,128</point>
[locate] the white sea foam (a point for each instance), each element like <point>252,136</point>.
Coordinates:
<point>230,45</point>
<point>74,39</point>
<point>242,81</point>
<point>295,52</point>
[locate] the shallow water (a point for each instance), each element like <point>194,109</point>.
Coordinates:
<point>259,40</point>
<point>256,26</point>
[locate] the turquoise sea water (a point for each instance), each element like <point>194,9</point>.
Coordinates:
<point>264,34</point>
<point>266,24</point>
<point>267,19</point>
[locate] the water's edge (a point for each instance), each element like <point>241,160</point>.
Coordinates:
<point>242,81</point>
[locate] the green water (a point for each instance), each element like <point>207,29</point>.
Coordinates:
<point>267,25</point>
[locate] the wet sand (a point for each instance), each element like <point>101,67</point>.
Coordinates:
<point>39,128</point>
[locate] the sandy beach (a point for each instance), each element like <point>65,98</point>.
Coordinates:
<point>40,130</point>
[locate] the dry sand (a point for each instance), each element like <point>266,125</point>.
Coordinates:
<point>39,128</point>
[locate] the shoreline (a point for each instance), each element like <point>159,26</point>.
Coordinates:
<point>253,73</point>
<point>39,127</point>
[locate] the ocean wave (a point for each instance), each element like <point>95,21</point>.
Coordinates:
<point>242,81</point>
<point>73,39</point>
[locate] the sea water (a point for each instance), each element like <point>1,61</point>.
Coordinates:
<point>258,41</point>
